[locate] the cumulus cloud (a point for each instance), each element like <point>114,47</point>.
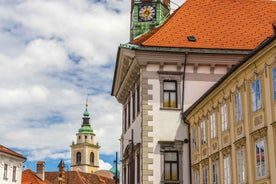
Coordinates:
<point>53,55</point>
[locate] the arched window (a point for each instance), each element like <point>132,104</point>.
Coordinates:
<point>92,158</point>
<point>78,158</point>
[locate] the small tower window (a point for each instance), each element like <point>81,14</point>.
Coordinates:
<point>79,137</point>
<point>92,158</point>
<point>78,158</point>
<point>85,137</point>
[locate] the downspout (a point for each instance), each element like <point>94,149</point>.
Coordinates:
<point>182,112</point>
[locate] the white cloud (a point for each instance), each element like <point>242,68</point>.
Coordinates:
<point>104,165</point>
<point>52,55</point>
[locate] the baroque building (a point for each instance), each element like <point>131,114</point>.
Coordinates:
<point>161,73</point>
<point>233,129</point>
<point>85,153</point>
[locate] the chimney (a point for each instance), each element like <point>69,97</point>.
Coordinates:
<point>40,170</point>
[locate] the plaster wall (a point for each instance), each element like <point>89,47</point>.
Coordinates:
<point>11,161</point>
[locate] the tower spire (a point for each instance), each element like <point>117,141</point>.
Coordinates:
<point>86,127</point>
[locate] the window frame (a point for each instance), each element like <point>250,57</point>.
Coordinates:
<point>5,173</point>
<point>238,107</point>
<point>205,176</point>
<point>78,158</point>
<point>170,93</point>
<point>14,173</point>
<point>274,82</point>
<point>241,165</point>
<point>195,137</point>
<point>171,164</point>
<point>227,169</point>
<point>203,132</point>
<point>213,124</point>
<point>196,177</point>
<point>256,95</point>
<point>215,172</point>
<point>224,116</point>
<point>92,158</point>
<point>262,166</point>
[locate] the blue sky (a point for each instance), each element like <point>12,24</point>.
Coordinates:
<point>54,55</point>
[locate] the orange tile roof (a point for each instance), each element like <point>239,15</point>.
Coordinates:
<point>10,152</point>
<point>28,176</point>
<point>77,177</point>
<point>216,24</point>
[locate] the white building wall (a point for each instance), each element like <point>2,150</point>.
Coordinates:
<point>11,161</point>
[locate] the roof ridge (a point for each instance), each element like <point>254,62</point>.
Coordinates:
<point>79,175</point>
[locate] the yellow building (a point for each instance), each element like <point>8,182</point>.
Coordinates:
<point>85,153</point>
<point>233,125</point>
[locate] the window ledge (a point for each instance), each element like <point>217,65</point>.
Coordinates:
<point>169,108</point>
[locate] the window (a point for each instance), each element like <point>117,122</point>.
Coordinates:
<point>205,174</point>
<point>238,107</point>
<point>125,119</point>
<point>196,177</point>
<point>133,106</point>
<point>138,168</point>
<point>213,124</point>
<point>169,94</point>
<point>14,173</point>
<point>224,117</point>
<point>194,132</point>
<point>226,169</point>
<point>241,165</point>
<point>260,148</point>
<point>5,172</point>
<point>274,82</point>
<point>215,178</point>
<point>256,95</point>
<point>138,99</point>
<point>78,158</point>
<point>92,158</point>
<point>171,166</point>
<point>203,132</point>
<point>128,113</point>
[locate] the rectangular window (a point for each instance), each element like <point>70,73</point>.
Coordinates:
<point>203,132</point>
<point>260,153</point>
<point>125,119</point>
<point>238,107</point>
<point>226,169</point>
<point>169,94</point>
<point>14,173</point>
<point>241,165</point>
<point>128,114</point>
<point>274,82</point>
<point>138,99</point>
<point>205,175</point>
<point>224,117</point>
<point>133,106</point>
<point>171,166</point>
<point>196,177</point>
<point>138,168</point>
<point>5,172</point>
<point>194,131</point>
<point>213,124</point>
<point>256,95</point>
<point>215,172</point>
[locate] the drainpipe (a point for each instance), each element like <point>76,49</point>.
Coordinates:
<point>182,112</point>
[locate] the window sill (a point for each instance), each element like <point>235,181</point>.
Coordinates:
<point>170,108</point>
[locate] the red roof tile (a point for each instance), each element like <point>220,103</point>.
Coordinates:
<point>216,24</point>
<point>28,176</point>
<point>77,177</point>
<point>10,152</point>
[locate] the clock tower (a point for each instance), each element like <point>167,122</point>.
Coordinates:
<point>147,15</point>
<point>85,153</point>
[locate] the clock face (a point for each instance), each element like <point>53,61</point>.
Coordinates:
<point>147,13</point>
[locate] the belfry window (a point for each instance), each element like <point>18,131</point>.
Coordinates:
<point>92,158</point>
<point>78,158</point>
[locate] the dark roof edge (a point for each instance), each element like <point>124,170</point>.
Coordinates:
<point>183,49</point>
<point>240,63</point>
<point>115,72</point>
<point>13,153</point>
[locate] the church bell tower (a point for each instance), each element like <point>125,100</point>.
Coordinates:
<point>147,15</point>
<point>85,153</point>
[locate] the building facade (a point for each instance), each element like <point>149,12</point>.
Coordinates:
<point>233,130</point>
<point>10,166</point>
<point>161,73</point>
<point>85,153</point>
